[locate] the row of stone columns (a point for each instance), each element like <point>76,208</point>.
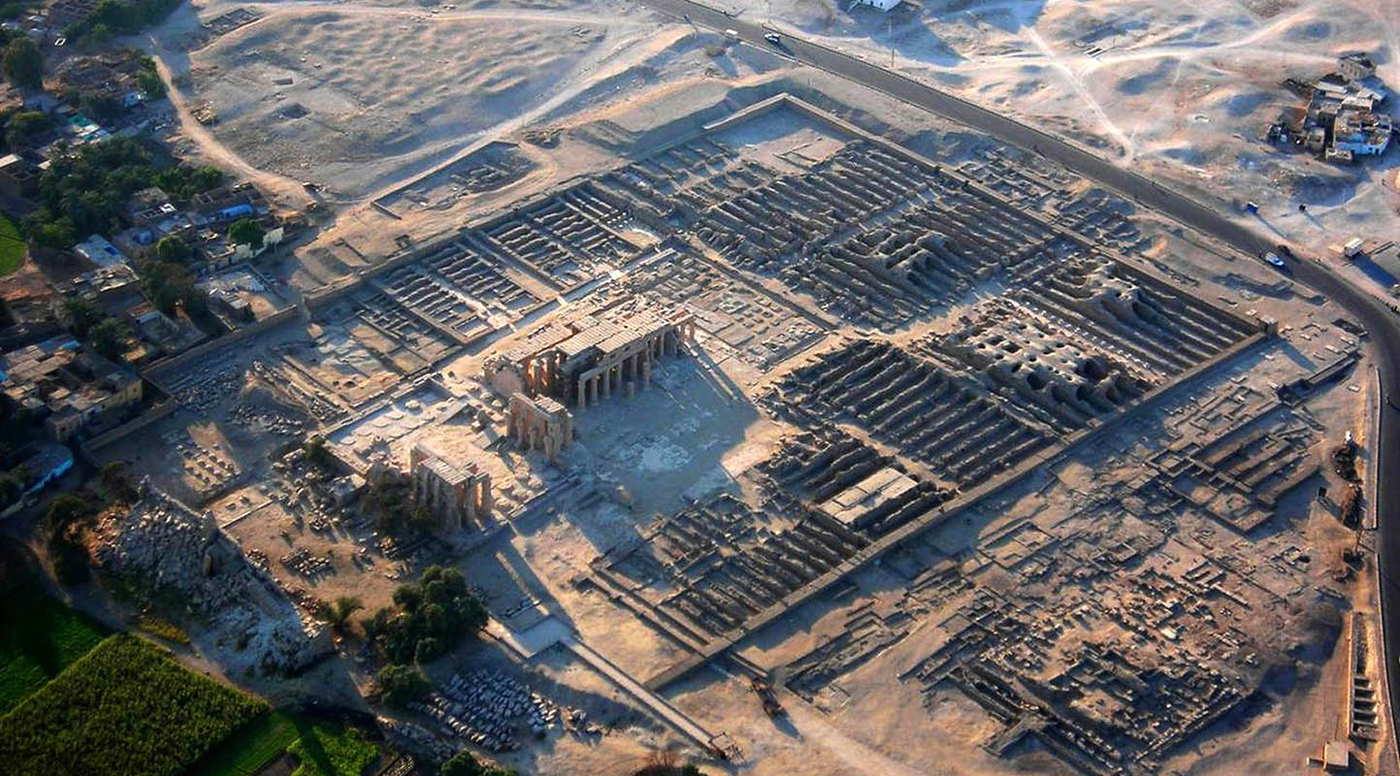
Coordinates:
<point>542,373</point>
<point>635,368</point>
<point>477,500</point>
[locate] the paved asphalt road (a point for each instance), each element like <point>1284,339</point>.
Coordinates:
<point>1380,323</point>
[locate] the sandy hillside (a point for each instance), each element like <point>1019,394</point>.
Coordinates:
<point>357,97</point>
<point>1181,90</point>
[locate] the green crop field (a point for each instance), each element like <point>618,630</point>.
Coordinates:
<point>252,746</point>
<point>12,246</point>
<point>328,749</point>
<point>39,637</point>
<point>124,708</point>
<point>321,748</point>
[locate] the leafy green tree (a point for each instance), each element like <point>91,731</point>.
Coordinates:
<point>23,129</point>
<point>463,764</point>
<point>173,250</point>
<point>100,35</point>
<point>166,284</point>
<point>100,107</point>
<point>86,190</point>
<point>319,454</point>
<point>65,510</point>
<point>116,481</point>
<point>149,82</point>
<point>400,684</point>
<point>24,65</point>
<point>109,338</point>
<point>436,614</point>
<point>196,302</point>
<point>52,234</point>
<point>246,231</point>
<point>12,485</point>
<point>79,314</point>
<point>375,624</point>
<point>68,558</point>
<point>182,182</point>
<point>408,597</point>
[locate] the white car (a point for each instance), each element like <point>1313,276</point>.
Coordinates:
<point>1273,258</point>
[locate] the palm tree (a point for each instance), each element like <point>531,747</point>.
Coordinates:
<point>338,613</point>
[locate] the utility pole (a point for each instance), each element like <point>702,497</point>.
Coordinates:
<point>891,35</point>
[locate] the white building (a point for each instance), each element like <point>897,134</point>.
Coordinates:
<point>99,251</point>
<point>1363,134</point>
<point>883,5</point>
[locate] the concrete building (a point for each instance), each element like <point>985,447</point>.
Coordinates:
<point>74,389</point>
<point>883,5</point>
<point>47,464</point>
<point>18,176</point>
<point>1362,133</point>
<point>588,359</point>
<point>98,250</point>
<point>457,497</point>
<point>1356,66</point>
<point>540,423</point>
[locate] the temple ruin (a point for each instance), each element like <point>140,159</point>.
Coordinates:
<point>458,497</point>
<point>540,423</point>
<point>587,359</point>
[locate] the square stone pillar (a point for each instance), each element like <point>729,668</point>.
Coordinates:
<point>488,503</point>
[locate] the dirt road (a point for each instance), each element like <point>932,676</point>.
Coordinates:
<point>284,190</point>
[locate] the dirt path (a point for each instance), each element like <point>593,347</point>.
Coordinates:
<point>340,9</point>
<point>858,757</point>
<point>289,191</point>
<point>1077,83</point>
<point>279,187</point>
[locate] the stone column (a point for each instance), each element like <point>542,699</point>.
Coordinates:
<point>582,395</point>
<point>488,504</point>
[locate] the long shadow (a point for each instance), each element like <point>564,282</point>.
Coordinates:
<point>1295,355</point>
<point>1374,271</point>
<point>692,412</point>
<point>528,584</point>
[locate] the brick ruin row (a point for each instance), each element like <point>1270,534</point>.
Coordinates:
<point>387,317</point>
<point>875,238</point>
<point>945,421</point>
<point>727,566</point>
<point>725,562</point>
<point>566,237</point>
<point>1238,476</point>
<point>1109,635</point>
<point>455,291</point>
<point>453,288</point>
<point>763,329</point>
<point>1021,371</point>
<point>1082,652</point>
<point>817,467</point>
<point>923,240</point>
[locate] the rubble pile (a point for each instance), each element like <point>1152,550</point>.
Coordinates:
<point>167,547</point>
